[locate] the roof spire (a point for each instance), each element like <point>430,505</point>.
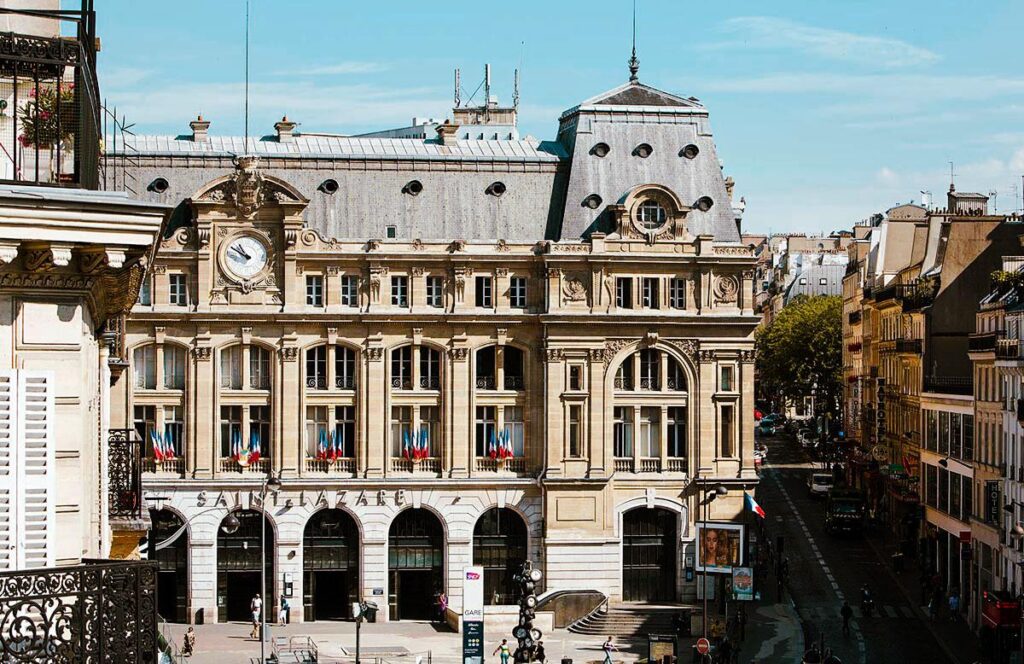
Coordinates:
<point>634,64</point>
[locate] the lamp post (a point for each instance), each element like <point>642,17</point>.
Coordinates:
<point>271,484</point>
<point>719,490</point>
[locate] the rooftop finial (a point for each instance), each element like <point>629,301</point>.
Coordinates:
<point>634,64</point>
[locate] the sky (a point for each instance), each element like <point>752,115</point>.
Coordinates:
<point>823,112</point>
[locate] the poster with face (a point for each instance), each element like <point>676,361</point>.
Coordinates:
<point>719,547</point>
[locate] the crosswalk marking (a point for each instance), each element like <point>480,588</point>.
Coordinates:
<point>820,613</point>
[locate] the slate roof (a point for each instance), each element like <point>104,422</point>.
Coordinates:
<point>345,147</point>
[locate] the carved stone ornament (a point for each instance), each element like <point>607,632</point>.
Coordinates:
<point>502,246</point>
<point>687,347</point>
<point>554,354</point>
<point>460,353</point>
<point>706,355</point>
<point>38,259</point>
<point>748,355</point>
<point>457,245</point>
<point>375,353</point>
<point>613,346</point>
<point>372,245</point>
<point>417,244</point>
<point>204,237</point>
<point>248,186</point>
<point>596,354</point>
<point>418,271</point>
<point>726,290</point>
<point>574,290</point>
<point>501,271</point>
<point>203,353</point>
<point>92,261</point>
<point>290,353</point>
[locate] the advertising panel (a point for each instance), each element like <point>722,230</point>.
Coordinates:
<point>719,547</point>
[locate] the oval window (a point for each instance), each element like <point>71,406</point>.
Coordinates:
<point>704,203</point>
<point>496,189</point>
<point>644,150</point>
<point>651,215</point>
<point>159,185</point>
<point>690,151</point>
<point>413,188</point>
<point>600,150</point>
<point>329,186</point>
<point>592,201</point>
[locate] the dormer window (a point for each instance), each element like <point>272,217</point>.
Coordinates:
<point>704,203</point>
<point>651,215</point>
<point>690,151</point>
<point>600,150</point>
<point>592,201</point>
<point>644,150</point>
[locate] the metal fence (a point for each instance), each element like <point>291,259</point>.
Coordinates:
<point>49,100</point>
<point>99,611</point>
<point>124,479</point>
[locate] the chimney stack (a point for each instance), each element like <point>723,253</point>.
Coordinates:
<point>448,133</point>
<point>200,129</point>
<point>285,130</point>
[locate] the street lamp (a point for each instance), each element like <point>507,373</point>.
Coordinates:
<point>719,490</point>
<point>230,524</point>
<point>271,484</point>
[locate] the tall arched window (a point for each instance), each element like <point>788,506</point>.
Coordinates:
<point>158,405</point>
<point>330,409</point>
<point>245,408</point>
<point>650,413</point>
<point>415,377</point>
<point>500,405</point>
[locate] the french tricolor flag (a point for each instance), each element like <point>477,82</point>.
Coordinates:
<point>753,506</point>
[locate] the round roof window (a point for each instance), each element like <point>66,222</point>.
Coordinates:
<point>600,150</point>
<point>644,150</point>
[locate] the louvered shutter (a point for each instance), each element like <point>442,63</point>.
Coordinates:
<point>8,473</point>
<point>35,457</point>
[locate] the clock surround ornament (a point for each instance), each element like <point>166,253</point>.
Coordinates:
<point>246,259</point>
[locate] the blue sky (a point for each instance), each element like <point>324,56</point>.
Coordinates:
<point>823,112</point>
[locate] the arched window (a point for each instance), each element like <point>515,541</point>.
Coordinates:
<point>330,409</point>
<point>144,367</point>
<point>158,410</point>
<point>174,367</point>
<point>416,408</point>
<point>245,419</point>
<point>499,442</point>
<point>650,413</point>
<point>499,546</point>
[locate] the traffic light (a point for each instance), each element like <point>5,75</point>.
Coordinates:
<point>525,633</point>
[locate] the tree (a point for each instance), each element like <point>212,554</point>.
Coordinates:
<point>800,352</point>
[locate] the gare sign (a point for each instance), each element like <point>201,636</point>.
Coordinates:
<point>322,498</point>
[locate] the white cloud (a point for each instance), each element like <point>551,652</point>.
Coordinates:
<point>336,69</point>
<point>887,176</point>
<point>769,33</point>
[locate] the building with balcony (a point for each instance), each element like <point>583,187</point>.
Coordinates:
<point>450,351</point>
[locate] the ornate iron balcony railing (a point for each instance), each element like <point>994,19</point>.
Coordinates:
<point>124,479</point>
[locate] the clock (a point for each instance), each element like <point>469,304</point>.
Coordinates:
<point>245,257</point>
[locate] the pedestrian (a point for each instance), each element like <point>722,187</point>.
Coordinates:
<point>954,605</point>
<point>538,653</point>
<point>188,644</point>
<point>725,651</point>
<point>286,610</point>
<point>503,650</point>
<point>846,612</point>
<point>608,647</point>
<point>256,609</point>
<point>442,608</point>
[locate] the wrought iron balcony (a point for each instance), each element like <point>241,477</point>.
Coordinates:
<point>430,382</point>
<point>983,341</point>
<point>514,382</point>
<point>99,611</point>
<point>1008,349</point>
<point>345,382</point>
<point>401,383</point>
<point>485,382</point>
<point>316,382</point>
<point>50,131</point>
<point>623,383</point>
<point>949,384</point>
<point>909,346</point>
<point>124,479</point>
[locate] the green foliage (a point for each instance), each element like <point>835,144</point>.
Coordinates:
<point>48,116</point>
<point>801,348</point>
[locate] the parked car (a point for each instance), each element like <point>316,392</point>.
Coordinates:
<point>818,484</point>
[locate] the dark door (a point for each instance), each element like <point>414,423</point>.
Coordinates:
<point>331,563</point>
<point>416,564</point>
<point>327,594</point>
<point>239,591</point>
<point>499,546</point>
<point>167,595</point>
<point>649,555</point>
<point>172,560</point>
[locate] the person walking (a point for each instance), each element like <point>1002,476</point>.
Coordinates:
<point>538,653</point>
<point>188,644</point>
<point>954,605</point>
<point>256,609</point>
<point>847,613</point>
<point>503,650</point>
<point>608,647</point>
<point>442,607</point>
<point>286,611</point>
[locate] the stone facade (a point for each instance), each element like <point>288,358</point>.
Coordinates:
<point>616,370</point>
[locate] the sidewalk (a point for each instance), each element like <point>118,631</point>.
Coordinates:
<point>955,637</point>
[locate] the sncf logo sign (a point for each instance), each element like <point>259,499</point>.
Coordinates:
<point>472,576</point>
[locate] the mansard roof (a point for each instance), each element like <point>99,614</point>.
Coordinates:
<point>635,93</point>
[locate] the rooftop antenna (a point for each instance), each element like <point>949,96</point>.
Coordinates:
<point>634,64</point>
<point>994,195</point>
<point>952,187</point>
<point>246,148</point>
<point>515,92</point>
<point>458,84</point>
<point>487,85</point>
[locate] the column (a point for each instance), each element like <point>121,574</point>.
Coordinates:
<point>663,439</point>
<point>374,447</point>
<point>203,417</point>
<point>600,430</point>
<point>555,431</point>
<point>288,445</point>
<point>707,435</point>
<point>460,424</point>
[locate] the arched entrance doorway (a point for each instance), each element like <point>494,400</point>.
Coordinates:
<point>415,564</point>
<point>649,555</point>
<point>239,555</point>
<point>330,563</point>
<point>172,565</point>
<point>499,546</point>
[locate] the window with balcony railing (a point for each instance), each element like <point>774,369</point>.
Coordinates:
<point>499,367</point>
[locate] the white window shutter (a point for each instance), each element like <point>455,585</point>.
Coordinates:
<point>34,460</point>
<point>8,474</point>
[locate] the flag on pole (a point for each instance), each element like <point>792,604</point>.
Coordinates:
<point>167,449</point>
<point>158,454</point>
<point>406,451</point>
<point>752,505</point>
<point>492,446</point>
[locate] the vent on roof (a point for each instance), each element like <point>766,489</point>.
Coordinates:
<point>690,151</point>
<point>643,150</point>
<point>496,189</point>
<point>592,201</point>
<point>704,203</point>
<point>600,150</point>
<point>413,188</point>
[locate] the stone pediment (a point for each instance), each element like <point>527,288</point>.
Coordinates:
<point>638,94</point>
<point>248,189</point>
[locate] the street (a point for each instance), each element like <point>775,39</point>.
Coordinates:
<point>825,569</point>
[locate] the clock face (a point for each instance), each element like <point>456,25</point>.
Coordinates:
<point>245,257</point>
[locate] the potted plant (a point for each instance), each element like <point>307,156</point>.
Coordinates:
<point>46,119</point>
